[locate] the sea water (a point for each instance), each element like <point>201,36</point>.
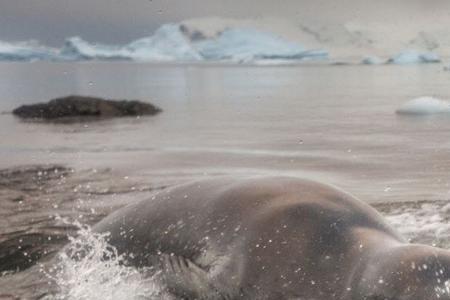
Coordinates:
<point>335,124</point>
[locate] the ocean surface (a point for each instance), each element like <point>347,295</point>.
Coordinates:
<point>336,124</point>
<point>333,123</point>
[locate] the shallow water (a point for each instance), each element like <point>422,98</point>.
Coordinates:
<point>336,124</point>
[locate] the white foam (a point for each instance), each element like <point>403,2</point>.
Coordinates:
<point>101,274</point>
<point>425,106</point>
<point>426,223</point>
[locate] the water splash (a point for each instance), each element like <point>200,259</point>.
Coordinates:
<point>426,223</point>
<point>442,289</point>
<point>90,269</point>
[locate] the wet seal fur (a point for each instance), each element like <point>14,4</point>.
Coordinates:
<point>274,238</point>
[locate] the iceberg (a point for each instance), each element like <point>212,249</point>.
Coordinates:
<point>414,57</point>
<point>167,44</point>
<point>75,48</point>
<point>243,45</point>
<point>172,42</point>
<point>25,51</point>
<point>424,106</point>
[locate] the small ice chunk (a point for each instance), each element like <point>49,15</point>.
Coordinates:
<point>424,106</point>
<point>414,57</point>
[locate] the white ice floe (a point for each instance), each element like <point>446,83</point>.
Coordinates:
<point>424,106</point>
<point>25,51</point>
<point>414,57</point>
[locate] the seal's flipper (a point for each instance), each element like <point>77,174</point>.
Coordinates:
<point>185,279</point>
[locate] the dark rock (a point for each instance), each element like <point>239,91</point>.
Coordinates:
<point>81,106</point>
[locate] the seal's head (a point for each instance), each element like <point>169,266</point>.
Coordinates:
<point>408,272</point>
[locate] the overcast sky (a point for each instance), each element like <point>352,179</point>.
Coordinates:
<point>120,21</point>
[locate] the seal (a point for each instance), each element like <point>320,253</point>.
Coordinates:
<point>274,238</point>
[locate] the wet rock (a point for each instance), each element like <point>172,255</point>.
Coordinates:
<point>81,106</point>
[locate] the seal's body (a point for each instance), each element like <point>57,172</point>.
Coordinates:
<point>274,238</point>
